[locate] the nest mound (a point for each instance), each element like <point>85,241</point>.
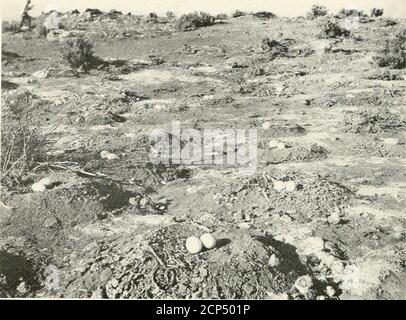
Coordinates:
<point>160,267</point>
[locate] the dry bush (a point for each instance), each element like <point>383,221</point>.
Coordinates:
<point>152,17</point>
<point>375,12</point>
<point>78,52</point>
<point>316,11</point>
<point>170,15</point>
<point>23,144</point>
<point>332,29</point>
<point>388,22</point>
<point>393,54</point>
<point>344,13</point>
<point>193,21</point>
<point>222,16</point>
<point>274,48</point>
<point>10,26</point>
<point>264,15</point>
<point>372,121</point>
<point>238,13</point>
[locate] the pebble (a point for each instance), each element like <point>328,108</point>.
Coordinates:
<point>245,225</point>
<point>303,284</point>
<point>22,289</point>
<point>208,241</point>
<point>144,202</point>
<point>310,245</point>
<point>334,218</point>
<point>330,291</point>
<point>50,222</point>
<point>108,155</point>
<point>38,187</point>
<point>290,186</point>
<point>193,245</point>
<point>391,141</point>
<point>274,261</point>
<point>273,144</point>
<point>105,275</point>
<point>133,201</point>
<point>266,125</point>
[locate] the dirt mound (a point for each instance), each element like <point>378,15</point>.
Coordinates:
<point>160,267</point>
<point>296,153</point>
<point>312,197</point>
<point>48,218</point>
<point>372,121</point>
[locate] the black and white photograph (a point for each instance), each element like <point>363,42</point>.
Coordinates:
<point>222,150</point>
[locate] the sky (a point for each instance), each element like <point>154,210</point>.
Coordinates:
<point>12,9</point>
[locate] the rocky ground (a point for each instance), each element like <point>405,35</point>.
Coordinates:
<point>111,224</point>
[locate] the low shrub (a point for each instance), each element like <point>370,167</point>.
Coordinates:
<point>78,52</point>
<point>170,15</point>
<point>221,16</point>
<point>332,29</point>
<point>274,48</point>
<point>317,11</point>
<point>393,53</point>
<point>23,144</point>
<point>264,15</point>
<point>376,12</point>
<point>238,13</point>
<point>193,21</point>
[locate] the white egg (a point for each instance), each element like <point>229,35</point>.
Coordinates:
<point>290,186</point>
<point>193,245</point>
<point>279,185</point>
<point>281,146</point>
<point>273,144</point>
<point>38,187</point>
<point>208,241</point>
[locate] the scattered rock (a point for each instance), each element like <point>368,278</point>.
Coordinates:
<point>273,144</point>
<point>303,284</point>
<point>290,186</point>
<point>109,156</point>
<point>274,261</point>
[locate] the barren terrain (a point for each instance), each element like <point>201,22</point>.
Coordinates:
<point>116,227</point>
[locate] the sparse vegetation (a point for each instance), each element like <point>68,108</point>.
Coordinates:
<point>375,12</point>
<point>393,54</point>
<point>78,52</point>
<point>101,196</point>
<point>332,29</point>
<point>238,13</point>
<point>152,17</point>
<point>22,142</point>
<point>317,11</point>
<point>344,13</point>
<point>193,21</point>
<point>264,15</point>
<point>10,26</point>
<point>274,48</point>
<point>170,15</point>
<point>222,16</point>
